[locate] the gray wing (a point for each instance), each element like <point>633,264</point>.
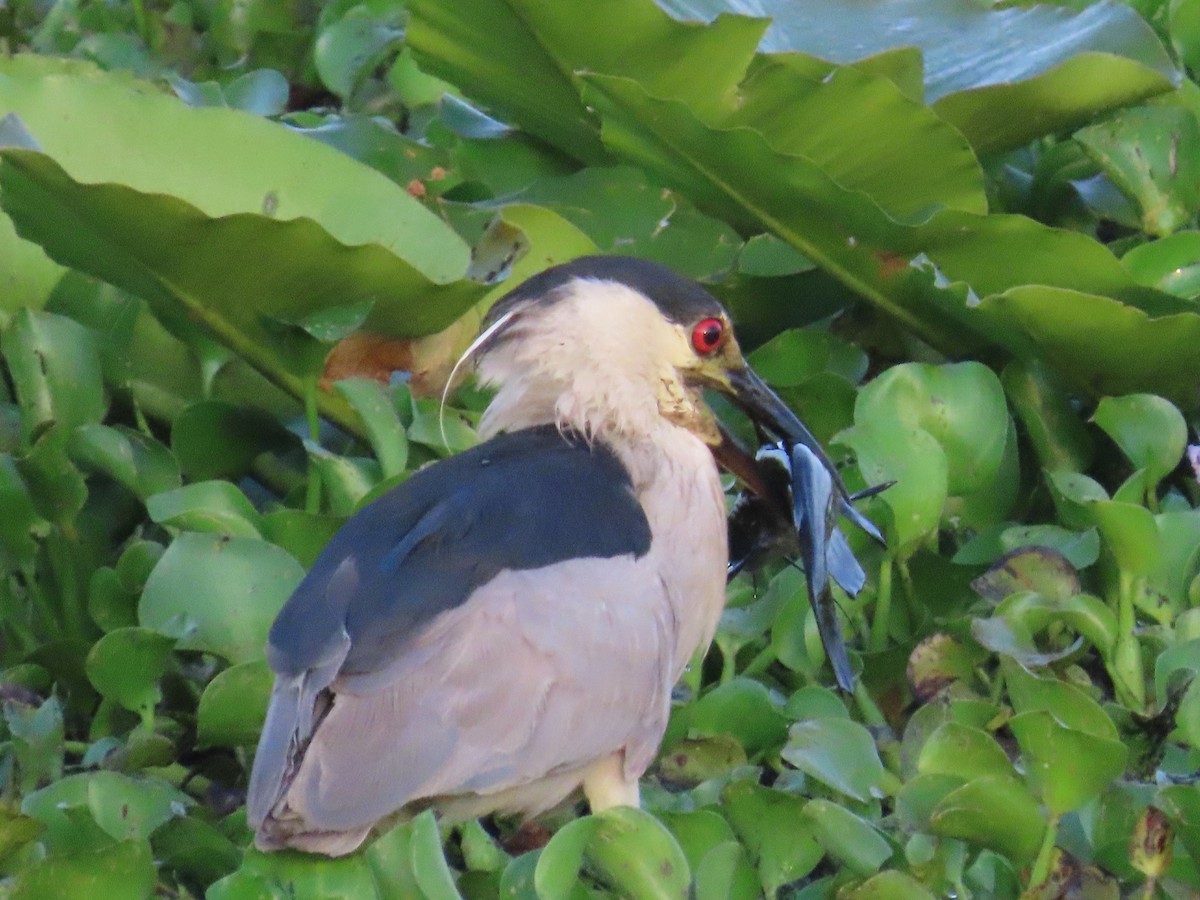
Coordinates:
<point>520,502</point>
<point>540,674</point>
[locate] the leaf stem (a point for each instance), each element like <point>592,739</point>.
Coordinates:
<point>1041,866</point>
<point>883,606</point>
<point>312,491</point>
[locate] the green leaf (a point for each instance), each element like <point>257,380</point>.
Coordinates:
<point>347,50</point>
<point>132,459</point>
<point>126,664</point>
<point>635,854</point>
<point>1040,569</point>
<point>1149,430</point>
<point>381,423</point>
<point>1001,76</point>
<point>55,367</point>
<point>301,534</point>
<point>298,877</point>
<point>215,506</point>
<point>429,862</point>
<point>770,824</point>
<point>726,874</point>
<point>1069,705</point>
<point>123,236</point>
<point>126,808</point>
<point>1040,400</point>
<point>557,874</point>
<point>963,752</point>
<point>995,811</point>
<point>839,753</point>
<point>218,594</point>
<point>194,850</point>
<point>1151,153</point>
<point>234,705</point>
<point>1067,768</point>
<point>890,885</point>
<point>219,439</point>
<point>743,708</point>
<point>846,837</point>
<point>124,870</point>
<point>1171,264</point>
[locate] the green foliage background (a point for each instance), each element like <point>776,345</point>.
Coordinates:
<point>962,242</point>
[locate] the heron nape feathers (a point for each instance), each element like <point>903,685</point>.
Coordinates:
<point>506,626</point>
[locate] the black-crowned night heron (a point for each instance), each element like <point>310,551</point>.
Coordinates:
<point>507,625</point>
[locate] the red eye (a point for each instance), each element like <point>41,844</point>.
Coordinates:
<point>706,336</point>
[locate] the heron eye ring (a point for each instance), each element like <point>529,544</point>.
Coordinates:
<point>707,335</point>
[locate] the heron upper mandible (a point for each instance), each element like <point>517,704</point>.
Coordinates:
<point>507,625</point>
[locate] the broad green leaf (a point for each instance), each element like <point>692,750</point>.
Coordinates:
<point>937,662</point>
<point>301,534</point>
<point>1152,153</point>
<point>429,861</point>
<point>919,796</point>
<point>839,753</point>
<point>962,405</point>
<point>1072,492</point>
<point>698,832</point>
<point>1171,264</point>
<point>1067,768</point>
<point>771,825</point>
<point>347,51</point>
<point>963,752</point>
<point>346,481</point>
<point>1080,548</point>
<point>55,368</point>
<point>233,706</point>
<point>132,459</point>
<point>1001,76</point>
<point>891,885</point>
<point>16,831</point>
<point>887,450</point>
<point>794,356</point>
<point>743,708</point>
<point>195,850</point>
<point>1039,569</point>
<point>216,506</point>
<point>557,874</point>
<point>126,237</point>
<point>726,874</point>
<point>635,854</point>
<point>219,439</point>
<point>1069,705</point>
<point>125,666</point>
<point>1150,432</point>
<point>126,808</point>
<point>218,594</point>
<point>995,811</point>
<point>299,876</point>
<point>390,859</point>
<point>20,516</point>
<point>847,837</point>
<point>125,870</point>
<point>380,421</point>
<point>1041,402</point>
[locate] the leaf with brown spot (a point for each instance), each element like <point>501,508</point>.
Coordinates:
<point>936,663</point>
<point>1039,569</point>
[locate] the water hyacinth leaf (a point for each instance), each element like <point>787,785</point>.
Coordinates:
<point>695,760</point>
<point>1088,616</point>
<point>130,458</point>
<point>633,852</point>
<point>891,885</point>
<point>301,534</point>
<point>126,808</point>
<point>1039,569</point>
<point>389,858</point>
<point>302,877</point>
<point>126,664</point>
<point>911,457</point>
<point>344,480</point>
<point>429,861</point>
<point>839,753</point>
<point>220,439</point>
<point>726,874</point>
<point>996,811</point>
<point>380,421</point>
<point>20,516</point>
<point>1151,154</point>
<point>743,708</point>
<point>919,796</point>
<point>1071,492</point>
<point>54,363</point>
<point>962,405</point>
<point>194,849</point>
<point>347,50</point>
<point>1080,548</point>
<point>16,831</point>
<point>214,506</point>
<point>963,752</point>
<point>262,92</point>
<point>769,823</point>
<point>937,662</point>
<point>37,736</point>
<point>1068,704</point>
<point>557,874</point>
<point>233,706</point>
<point>794,356</point>
<point>1041,401</point>
<point>218,594</point>
<point>1067,768</point>
<point>1171,264</point>
<point>125,869</point>
<point>698,832</point>
<point>846,837</point>
<point>1011,638</point>
<point>1150,431</point>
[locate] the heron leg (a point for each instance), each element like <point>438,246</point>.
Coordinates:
<point>606,785</point>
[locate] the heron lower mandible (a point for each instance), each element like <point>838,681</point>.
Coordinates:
<point>507,625</point>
